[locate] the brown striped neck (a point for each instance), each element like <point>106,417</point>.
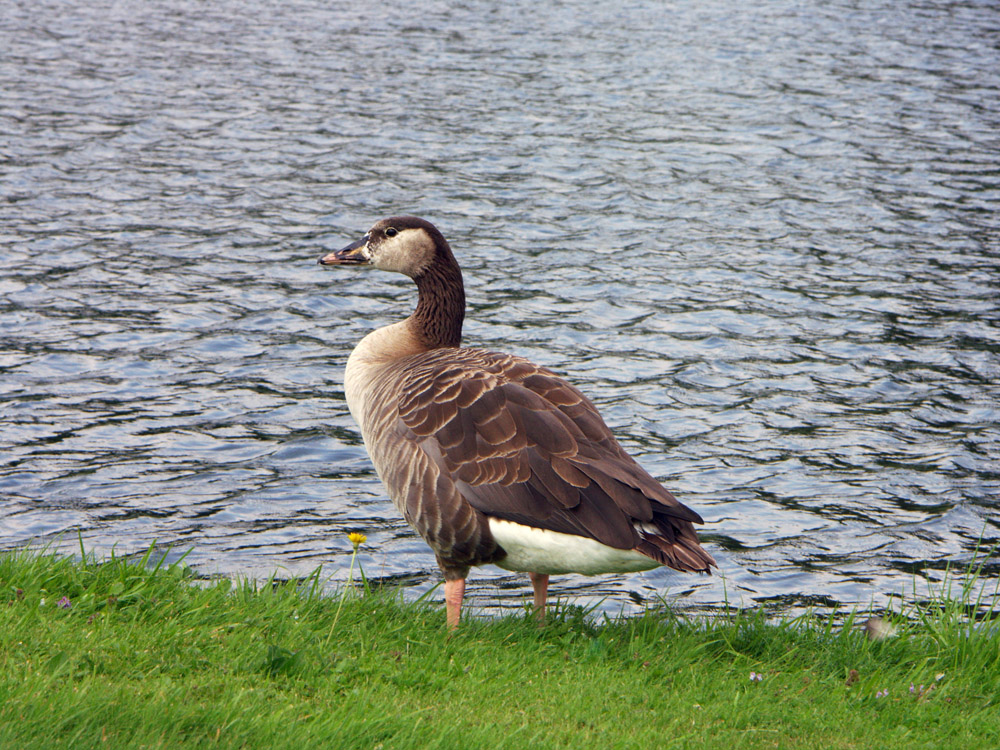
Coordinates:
<point>437,321</point>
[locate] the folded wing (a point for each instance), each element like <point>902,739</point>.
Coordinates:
<point>521,444</point>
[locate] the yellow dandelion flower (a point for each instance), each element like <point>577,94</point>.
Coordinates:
<point>357,538</point>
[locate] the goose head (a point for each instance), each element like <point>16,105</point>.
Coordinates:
<point>414,247</point>
<point>404,244</point>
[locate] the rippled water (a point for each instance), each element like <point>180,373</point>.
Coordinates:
<point>763,239</point>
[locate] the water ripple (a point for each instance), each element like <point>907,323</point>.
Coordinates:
<point>764,241</point>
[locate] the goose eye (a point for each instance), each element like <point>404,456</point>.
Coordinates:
<point>391,232</point>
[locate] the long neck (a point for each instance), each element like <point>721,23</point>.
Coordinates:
<point>437,321</point>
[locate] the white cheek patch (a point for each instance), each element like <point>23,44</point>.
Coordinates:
<point>409,252</point>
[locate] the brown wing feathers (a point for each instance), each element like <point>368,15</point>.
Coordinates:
<point>523,445</point>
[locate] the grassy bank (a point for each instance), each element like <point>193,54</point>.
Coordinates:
<point>117,655</point>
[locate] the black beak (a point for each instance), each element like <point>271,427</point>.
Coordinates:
<point>348,256</point>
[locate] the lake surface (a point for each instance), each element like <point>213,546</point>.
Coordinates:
<point>763,237</point>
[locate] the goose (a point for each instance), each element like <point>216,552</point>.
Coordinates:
<point>488,456</point>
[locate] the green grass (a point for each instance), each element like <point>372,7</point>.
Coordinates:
<point>144,656</point>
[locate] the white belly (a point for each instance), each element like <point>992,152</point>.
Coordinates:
<point>532,550</point>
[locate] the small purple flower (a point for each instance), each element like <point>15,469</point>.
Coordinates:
<point>882,693</point>
<point>755,677</point>
<point>64,603</point>
<point>912,689</point>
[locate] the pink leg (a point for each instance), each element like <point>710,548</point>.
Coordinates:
<point>540,583</point>
<point>453,593</point>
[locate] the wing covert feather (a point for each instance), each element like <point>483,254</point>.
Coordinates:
<point>521,444</point>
